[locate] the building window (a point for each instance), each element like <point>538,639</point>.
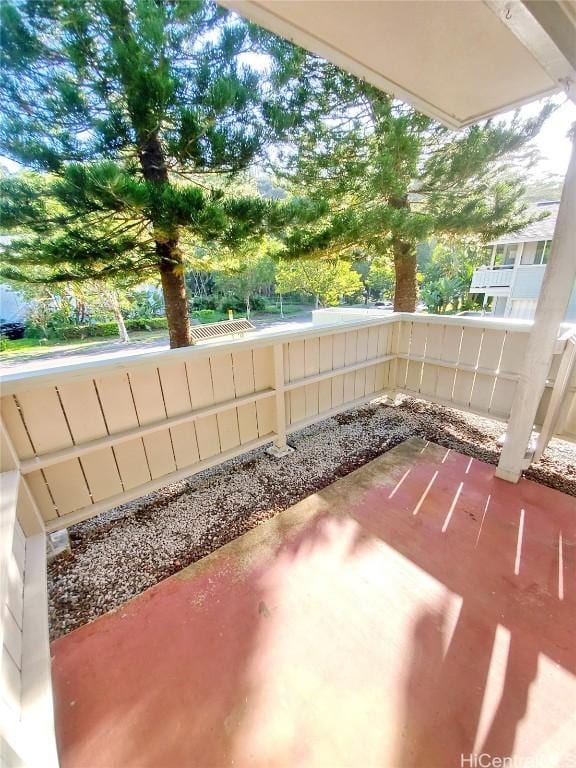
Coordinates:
<point>536,252</point>
<point>542,252</point>
<point>505,255</point>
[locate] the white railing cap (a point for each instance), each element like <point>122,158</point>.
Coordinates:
<point>12,382</point>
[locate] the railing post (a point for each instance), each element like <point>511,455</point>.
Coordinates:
<point>8,457</point>
<point>280,447</point>
<point>28,513</point>
<point>559,389</point>
<point>391,390</point>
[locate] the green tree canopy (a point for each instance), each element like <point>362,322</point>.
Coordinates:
<point>132,114</point>
<point>324,279</point>
<point>381,277</point>
<point>447,276</point>
<point>245,271</point>
<point>392,176</point>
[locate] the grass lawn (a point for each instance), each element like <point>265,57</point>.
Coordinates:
<point>28,347</point>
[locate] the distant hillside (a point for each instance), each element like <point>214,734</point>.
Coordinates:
<point>544,189</point>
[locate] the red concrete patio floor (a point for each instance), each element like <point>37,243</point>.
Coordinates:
<point>413,612</point>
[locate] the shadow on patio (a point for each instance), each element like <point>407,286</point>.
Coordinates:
<point>414,611</point>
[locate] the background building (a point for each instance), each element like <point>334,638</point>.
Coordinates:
<point>512,278</point>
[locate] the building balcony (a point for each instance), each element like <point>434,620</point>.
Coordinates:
<point>491,277</point>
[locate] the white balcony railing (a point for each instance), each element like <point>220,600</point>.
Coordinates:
<point>86,437</point>
<point>90,437</point>
<point>491,277</point>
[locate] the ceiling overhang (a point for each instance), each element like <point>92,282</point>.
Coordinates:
<point>458,61</point>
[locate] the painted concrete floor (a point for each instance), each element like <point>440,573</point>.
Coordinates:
<point>415,611</point>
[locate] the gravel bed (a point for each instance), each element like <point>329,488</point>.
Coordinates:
<point>120,553</point>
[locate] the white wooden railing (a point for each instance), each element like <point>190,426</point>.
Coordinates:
<point>86,437</point>
<point>491,277</point>
<point>26,712</point>
<point>91,436</point>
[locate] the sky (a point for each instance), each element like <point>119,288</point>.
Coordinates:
<point>552,141</point>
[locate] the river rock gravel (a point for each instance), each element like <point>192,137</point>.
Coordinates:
<point>120,553</point>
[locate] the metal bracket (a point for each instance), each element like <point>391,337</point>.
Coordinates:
<point>58,543</point>
<point>279,453</point>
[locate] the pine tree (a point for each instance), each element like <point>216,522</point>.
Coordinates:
<point>392,176</point>
<point>131,115</point>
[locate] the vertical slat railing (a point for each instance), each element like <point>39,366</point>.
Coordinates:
<point>558,396</point>
<point>93,437</point>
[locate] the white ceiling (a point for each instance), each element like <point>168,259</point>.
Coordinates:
<point>455,60</point>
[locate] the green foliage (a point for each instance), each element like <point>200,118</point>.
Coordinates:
<point>380,278</point>
<point>326,280</point>
<point>142,304</point>
<point>131,118</point>
<point>209,315</point>
<point>243,273</point>
<point>287,309</point>
<point>392,177</point>
<point>203,302</point>
<point>447,276</point>
<point>96,330</point>
<point>84,331</point>
<point>238,303</point>
<point>135,120</point>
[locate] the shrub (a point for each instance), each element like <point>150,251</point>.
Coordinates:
<point>86,331</point>
<point>258,303</point>
<point>147,324</point>
<point>145,304</point>
<point>209,315</point>
<point>231,302</point>
<point>93,330</point>
<point>238,304</point>
<point>4,344</point>
<point>34,331</point>
<point>203,302</point>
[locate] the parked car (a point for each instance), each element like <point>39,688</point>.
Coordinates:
<point>12,330</point>
<point>470,313</point>
<point>384,305</point>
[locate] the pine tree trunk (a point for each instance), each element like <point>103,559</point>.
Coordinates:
<point>174,290</point>
<point>170,261</point>
<point>155,171</point>
<point>405,269</point>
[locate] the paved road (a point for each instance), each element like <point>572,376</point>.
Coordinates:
<point>108,350</point>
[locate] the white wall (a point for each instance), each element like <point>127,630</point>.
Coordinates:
<point>527,282</point>
<point>525,308</point>
<point>522,309</point>
<point>500,303</point>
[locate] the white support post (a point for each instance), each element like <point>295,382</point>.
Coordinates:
<point>557,397</point>
<point>28,513</point>
<point>280,447</point>
<point>550,312</point>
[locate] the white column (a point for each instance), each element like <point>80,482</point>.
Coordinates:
<point>550,312</point>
